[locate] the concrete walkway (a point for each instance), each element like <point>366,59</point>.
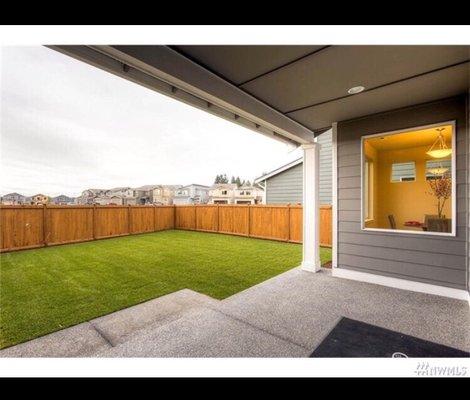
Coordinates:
<point>286,316</point>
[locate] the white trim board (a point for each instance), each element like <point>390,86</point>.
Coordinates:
<point>397,283</point>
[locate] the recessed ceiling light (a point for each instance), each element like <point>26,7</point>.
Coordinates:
<point>356,89</point>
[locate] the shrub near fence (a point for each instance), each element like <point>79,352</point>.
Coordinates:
<point>24,227</point>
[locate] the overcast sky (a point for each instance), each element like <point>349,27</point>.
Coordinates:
<point>67,126</point>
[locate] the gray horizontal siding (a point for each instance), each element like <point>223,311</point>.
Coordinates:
<point>286,187</point>
<point>430,259</point>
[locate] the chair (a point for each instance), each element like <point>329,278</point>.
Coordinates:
<point>391,219</point>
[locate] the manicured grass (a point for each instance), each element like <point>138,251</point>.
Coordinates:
<point>48,289</point>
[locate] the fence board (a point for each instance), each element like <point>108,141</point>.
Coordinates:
<point>234,219</point>
<point>68,225</point>
<point>206,218</point>
<point>296,223</point>
<point>141,219</point>
<point>21,227</point>
<point>185,217</point>
<point>326,235</point>
<point>164,218</point>
<point>111,221</point>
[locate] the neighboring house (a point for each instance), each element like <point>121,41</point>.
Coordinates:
<point>144,194</point>
<point>248,195</point>
<point>109,200</point>
<point>89,195</point>
<point>284,184</point>
<point>13,199</point>
<point>191,194</point>
<point>39,199</point>
<point>222,193</point>
<point>127,195</point>
<point>63,199</point>
<point>119,196</point>
<point>163,194</point>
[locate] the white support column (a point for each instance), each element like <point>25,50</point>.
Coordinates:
<point>311,208</point>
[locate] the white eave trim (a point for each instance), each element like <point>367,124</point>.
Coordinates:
<point>279,170</point>
<point>162,69</point>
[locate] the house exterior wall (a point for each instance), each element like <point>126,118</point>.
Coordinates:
<point>437,260</point>
<point>326,171</point>
<point>286,187</point>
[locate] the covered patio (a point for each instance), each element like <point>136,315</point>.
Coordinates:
<point>294,93</point>
<point>411,281</point>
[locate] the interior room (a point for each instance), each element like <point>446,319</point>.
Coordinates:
<point>407,180</point>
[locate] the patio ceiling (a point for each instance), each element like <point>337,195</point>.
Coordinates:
<point>289,92</point>
<point>310,84</point>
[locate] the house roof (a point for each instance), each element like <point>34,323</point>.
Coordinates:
<point>196,184</point>
<point>120,188</point>
<point>13,194</point>
<point>147,187</point>
<point>279,170</point>
<point>224,186</point>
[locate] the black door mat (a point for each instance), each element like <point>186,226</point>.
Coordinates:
<point>351,338</point>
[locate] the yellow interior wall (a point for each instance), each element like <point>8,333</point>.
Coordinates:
<point>407,201</point>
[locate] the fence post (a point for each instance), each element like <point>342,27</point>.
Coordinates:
<point>249,220</point>
<point>174,216</point>
<point>195,217</point>
<point>94,221</point>
<point>218,216</point>
<point>44,224</point>
<point>129,225</point>
<point>154,218</point>
<point>288,222</point>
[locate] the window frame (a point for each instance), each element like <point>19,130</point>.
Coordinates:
<point>453,233</point>
<point>415,178</point>
<point>369,210</point>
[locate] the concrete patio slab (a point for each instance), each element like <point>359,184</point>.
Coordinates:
<point>206,333</point>
<point>118,326</point>
<point>78,341</point>
<point>303,307</point>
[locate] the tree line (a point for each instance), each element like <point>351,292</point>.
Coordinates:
<point>222,178</point>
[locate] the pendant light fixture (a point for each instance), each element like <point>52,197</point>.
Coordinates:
<point>438,170</point>
<point>439,148</point>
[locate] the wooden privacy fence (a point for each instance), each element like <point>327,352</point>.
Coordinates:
<point>25,227</point>
<point>276,222</point>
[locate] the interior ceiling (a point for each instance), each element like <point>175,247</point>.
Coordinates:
<point>419,138</point>
<point>309,84</point>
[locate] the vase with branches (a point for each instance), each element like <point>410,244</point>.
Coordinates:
<point>441,189</point>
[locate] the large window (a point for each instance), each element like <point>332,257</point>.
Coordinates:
<point>407,180</point>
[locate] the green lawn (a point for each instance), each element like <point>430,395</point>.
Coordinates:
<point>48,289</point>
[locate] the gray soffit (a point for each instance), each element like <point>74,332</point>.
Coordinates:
<point>163,69</point>
<point>312,88</point>
<point>290,90</point>
<point>241,64</point>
